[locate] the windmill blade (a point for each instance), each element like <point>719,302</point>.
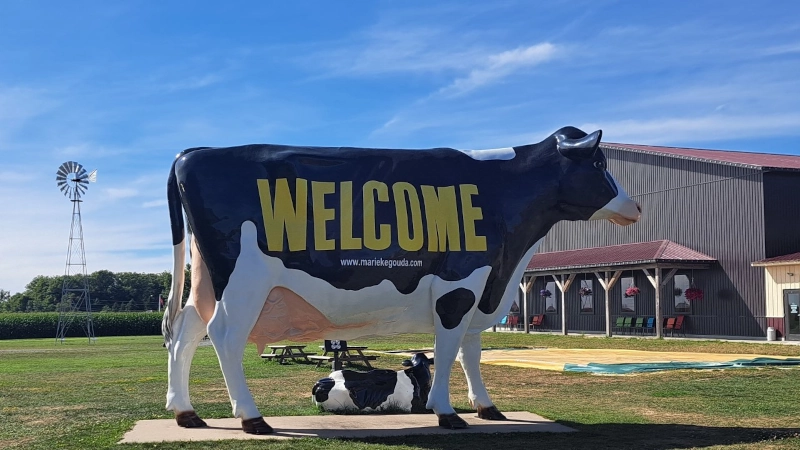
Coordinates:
<point>80,172</point>
<point>63,171</point>
<point>71,166</point>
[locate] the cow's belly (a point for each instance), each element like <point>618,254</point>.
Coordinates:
<point>300,307</point>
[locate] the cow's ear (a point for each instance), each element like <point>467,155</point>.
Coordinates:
<point>577,149</point>
<point>407,363</point>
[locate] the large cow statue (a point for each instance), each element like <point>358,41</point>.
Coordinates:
<point>312,243</point>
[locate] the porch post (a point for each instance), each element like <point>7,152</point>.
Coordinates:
<point>608,281</point>
<point>607,289</point>
<point>563,286</point>
<point>659,316</point>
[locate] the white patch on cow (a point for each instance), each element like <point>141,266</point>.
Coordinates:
<point>382,309</point>
<point>621,205</point>
<point>504,154</point>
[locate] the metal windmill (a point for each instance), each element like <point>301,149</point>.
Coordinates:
<point>73,181</point>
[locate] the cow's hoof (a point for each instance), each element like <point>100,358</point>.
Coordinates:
<point>490,413</point>
<point>256,426</point>
<point>452,422</point>
<point>189,419</point>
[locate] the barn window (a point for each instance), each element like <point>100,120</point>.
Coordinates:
<point>551,302</point>
<point>587,296</point>
<point>628,303</point>
<point>682,283</point>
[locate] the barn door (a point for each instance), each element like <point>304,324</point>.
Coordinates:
<point>791,299</point>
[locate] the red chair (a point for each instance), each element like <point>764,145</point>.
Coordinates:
<point>670,325</point>
<point>678,326</point>
<point>513,322</point>
<point>537,321</point>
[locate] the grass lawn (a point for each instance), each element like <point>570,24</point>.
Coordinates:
<point>77,396</point>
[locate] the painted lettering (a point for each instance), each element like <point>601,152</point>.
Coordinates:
<point>285,216</point>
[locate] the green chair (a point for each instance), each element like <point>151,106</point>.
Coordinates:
<point>618,325</point>
<point>638,325</point>
<point>627,324</point>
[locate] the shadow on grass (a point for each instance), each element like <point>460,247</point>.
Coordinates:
<point>600,436</point>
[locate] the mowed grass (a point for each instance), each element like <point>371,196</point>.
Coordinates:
<point>77,396</point>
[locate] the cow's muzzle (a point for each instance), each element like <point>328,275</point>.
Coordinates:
<point>624,219</point>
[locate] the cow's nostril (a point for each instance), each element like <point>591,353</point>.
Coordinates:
<point>639,207</point>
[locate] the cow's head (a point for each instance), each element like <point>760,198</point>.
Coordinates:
<point>419,371</point>
<point>587,191</point>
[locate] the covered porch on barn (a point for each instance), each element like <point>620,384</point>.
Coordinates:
<point>575,276</point>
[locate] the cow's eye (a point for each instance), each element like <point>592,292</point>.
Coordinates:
<point>600,165</point>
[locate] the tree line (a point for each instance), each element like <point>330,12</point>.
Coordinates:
<point>108,291</point>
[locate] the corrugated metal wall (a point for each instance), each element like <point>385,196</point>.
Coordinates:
<point>782,213</point>
<point>712,208</point>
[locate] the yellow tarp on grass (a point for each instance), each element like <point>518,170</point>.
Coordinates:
<point>584,359</point>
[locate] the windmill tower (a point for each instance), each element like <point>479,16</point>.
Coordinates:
<point>73,181</point>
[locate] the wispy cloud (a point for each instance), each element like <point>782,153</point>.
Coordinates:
<point>383,51</point>
<point>117,193</point>
<point>713,127</point>
<point>154,203</point>
<point>500,65</point>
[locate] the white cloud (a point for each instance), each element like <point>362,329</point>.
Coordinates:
<point>501,65</point>
<point>670,130</point>
<point>154,203</point>
<point>120,193</point>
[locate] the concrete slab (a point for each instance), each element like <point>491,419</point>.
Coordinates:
<point>347,426</point>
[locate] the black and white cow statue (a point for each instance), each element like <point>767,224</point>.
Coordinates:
<point>377,390</point>
<point>313,243</point>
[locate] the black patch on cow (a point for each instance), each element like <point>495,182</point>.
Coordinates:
<point>322,388</point>
<point>453,306</point>
<point>520,200</point>
<point>370,389</point>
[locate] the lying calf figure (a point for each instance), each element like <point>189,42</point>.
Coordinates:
<point>377,390</point>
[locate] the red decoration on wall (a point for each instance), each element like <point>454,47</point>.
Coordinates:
<point>694,294</point>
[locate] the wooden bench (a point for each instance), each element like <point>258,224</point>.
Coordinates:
<point>281,353</point>
<point>343,353</point>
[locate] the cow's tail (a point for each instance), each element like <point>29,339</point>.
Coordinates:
<point>175,299</point>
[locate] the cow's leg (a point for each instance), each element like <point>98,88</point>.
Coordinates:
<point>234,318</point>
<point>228,331</point>
<point>452,314</point>
<point>470,357</point>
<point>189,331</point>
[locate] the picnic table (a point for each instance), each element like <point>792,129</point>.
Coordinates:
<point>348,354</point>
<point>281,353</point>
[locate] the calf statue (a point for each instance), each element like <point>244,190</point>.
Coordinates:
<point>315,243</point>
<point>377,390</point>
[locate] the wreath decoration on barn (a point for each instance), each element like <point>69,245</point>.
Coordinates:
<point>632,291</point>
<point>694,294</point>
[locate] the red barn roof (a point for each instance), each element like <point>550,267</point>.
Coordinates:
<point>746,159</point>
<point>792,258</point>
<point>617,255</point>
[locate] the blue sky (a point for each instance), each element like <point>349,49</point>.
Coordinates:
<point>124,86</point>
